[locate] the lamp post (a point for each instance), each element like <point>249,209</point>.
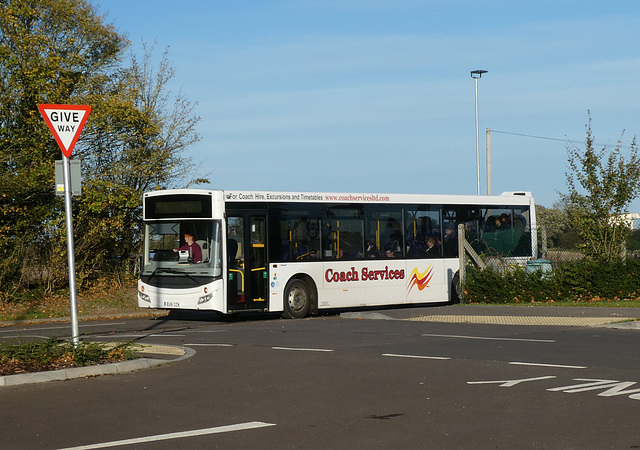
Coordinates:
<point>476,75</point>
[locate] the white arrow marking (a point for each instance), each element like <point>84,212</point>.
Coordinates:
<point>510,383</point>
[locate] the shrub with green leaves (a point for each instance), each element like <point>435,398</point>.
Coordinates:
<point>584,281</point>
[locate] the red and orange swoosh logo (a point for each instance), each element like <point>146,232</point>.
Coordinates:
<point>420,279</point>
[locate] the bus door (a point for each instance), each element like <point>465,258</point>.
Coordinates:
<point>247,261</point>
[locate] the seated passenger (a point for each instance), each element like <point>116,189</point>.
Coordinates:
<point>389,251</point>
<point>506,221</point>
<point>370,249</point>
<point>497,224</point>
<point>433,249</point>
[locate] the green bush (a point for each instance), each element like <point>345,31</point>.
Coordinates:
<point>44,353</point>
<point>584,281</point>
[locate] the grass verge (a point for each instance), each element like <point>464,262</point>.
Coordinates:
<point>18,356</point>
<point>100,299</point>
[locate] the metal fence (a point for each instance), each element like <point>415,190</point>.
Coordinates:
<point>556,247</point>
<point>559,248</point>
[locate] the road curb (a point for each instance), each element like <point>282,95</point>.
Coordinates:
<point>103,369</point>
<point>127,315</point>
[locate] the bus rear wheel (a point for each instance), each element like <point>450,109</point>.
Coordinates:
<point>297,299</point>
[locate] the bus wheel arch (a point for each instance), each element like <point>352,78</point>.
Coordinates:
<point>300,297</point>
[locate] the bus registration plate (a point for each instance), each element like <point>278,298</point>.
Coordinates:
<point>171,304</point>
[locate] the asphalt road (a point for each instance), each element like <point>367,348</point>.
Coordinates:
<point>334,382</point>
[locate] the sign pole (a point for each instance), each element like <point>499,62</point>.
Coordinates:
<point>75,329</point>
<point>66,123</point>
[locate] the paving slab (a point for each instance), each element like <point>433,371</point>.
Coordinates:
<point>628,318</point>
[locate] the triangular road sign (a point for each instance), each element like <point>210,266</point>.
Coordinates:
<point>66,123</point>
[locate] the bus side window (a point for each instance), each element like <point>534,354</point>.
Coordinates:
<point>422,224</point>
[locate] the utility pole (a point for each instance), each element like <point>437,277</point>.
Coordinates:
<point>488,161</point>
<point>476,75</point>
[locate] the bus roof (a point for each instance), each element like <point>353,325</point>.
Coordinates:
<point>506,198</point>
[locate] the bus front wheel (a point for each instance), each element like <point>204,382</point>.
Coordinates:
<point>297,299</point>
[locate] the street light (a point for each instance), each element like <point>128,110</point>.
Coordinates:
<point>477,74</point>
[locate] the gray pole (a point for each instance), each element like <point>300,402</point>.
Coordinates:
<point>488,161</point>
<point>477,137</point>
<point>75,332</point>
<point>477,74</point>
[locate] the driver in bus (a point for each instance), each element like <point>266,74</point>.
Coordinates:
<point>195,252</point>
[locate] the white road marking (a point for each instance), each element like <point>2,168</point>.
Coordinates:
<point>139,335</point>
<point>208,331</point>
<point>560,366</point>
<point>303,349</point>
<point>414,356</point>
<point>511,383</point>
<point>166,335</point>
<point>614,388</point>
<point>489,338</point>
<point>178,435</point>
<point>119,335</point>
<point>208,345</point>
<point>610,388</point>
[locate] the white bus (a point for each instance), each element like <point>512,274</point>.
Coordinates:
<point>297,253</point>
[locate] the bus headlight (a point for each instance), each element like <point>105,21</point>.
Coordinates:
<point>205,298</point>
<point>144,297</point>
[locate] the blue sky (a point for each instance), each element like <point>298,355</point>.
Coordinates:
<point>375,96</point>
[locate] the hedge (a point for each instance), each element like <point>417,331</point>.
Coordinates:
<point>584,281</point>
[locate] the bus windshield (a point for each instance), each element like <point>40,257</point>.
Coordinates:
<point>184,247</point>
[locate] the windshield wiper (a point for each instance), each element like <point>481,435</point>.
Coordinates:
<point>162,270</point>
<point>170,270</point>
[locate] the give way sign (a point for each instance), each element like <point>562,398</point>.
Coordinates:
<point>66,123</point>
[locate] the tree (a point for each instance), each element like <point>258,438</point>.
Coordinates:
<point>557,226</point>
<point>554,220</point>
<point>133,145</point>
<point>61,51</point>
<point>50,52</point>
<point>601,186</point>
